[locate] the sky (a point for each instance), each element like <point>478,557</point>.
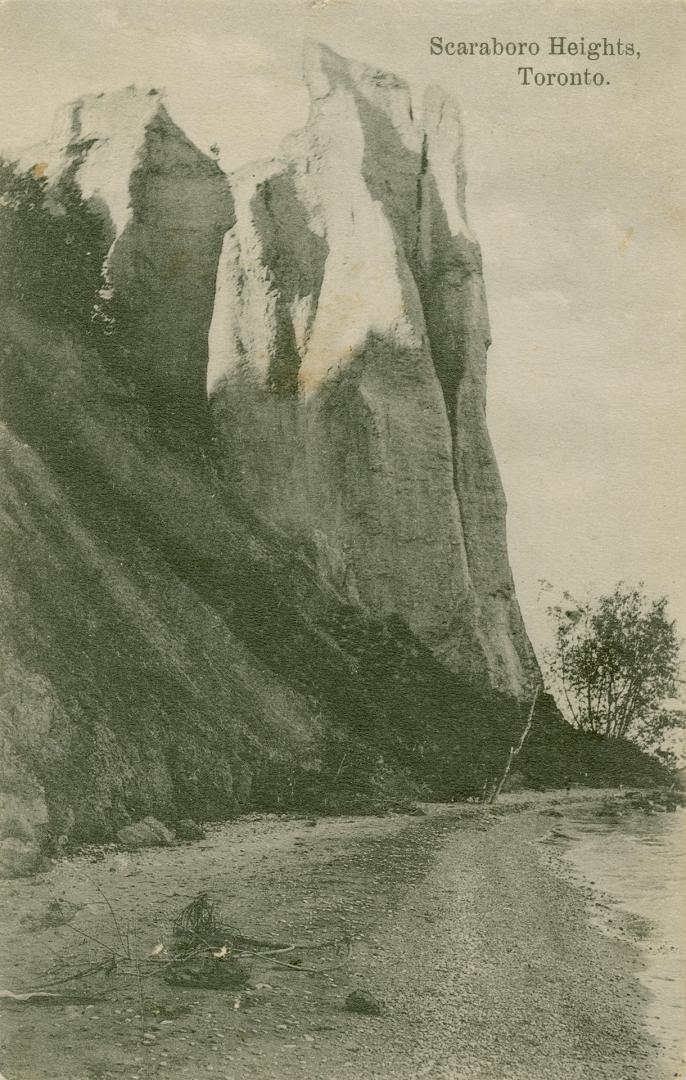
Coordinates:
<point>577,195</point>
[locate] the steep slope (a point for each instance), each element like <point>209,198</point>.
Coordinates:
<point>122,692</point>
<point>347,367</point>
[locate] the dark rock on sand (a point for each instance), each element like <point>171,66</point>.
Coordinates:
<point>361,1001</point>
<point>146,833</point>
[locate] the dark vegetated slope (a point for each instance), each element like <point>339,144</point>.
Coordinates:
<point>556,754</point>
<point>154,706</point>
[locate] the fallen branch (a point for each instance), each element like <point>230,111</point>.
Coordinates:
<point>42,997</point>
<point>28,996</point>
<point>102,944</point>
<point>302,967</point>
<point>124,944</point>
<point>239,950</point>
<point>225,933</point>
<point>106,966</point>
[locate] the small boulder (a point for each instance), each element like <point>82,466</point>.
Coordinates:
<point>361,1001</point>
<point>187,829</point>
<point>146,833</point>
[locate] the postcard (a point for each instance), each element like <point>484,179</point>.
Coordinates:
<point>342,721</point>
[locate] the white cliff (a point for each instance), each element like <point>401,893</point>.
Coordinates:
<point>347,367</point>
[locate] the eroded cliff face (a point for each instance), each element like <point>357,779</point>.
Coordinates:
<point>347,369</point>
<point>165,207</point>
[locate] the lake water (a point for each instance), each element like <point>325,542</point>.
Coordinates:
<point>640,861</point>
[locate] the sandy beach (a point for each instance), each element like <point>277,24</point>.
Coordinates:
<point>484,957</point>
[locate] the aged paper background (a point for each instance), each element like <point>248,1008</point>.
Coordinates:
<point>577,195</point>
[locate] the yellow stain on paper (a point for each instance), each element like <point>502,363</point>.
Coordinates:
<point>628,237</point>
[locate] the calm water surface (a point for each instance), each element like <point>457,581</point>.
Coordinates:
<point>640,861</point>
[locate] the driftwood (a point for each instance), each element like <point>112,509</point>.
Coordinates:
<point>204,950</point>
<point>200,929</point>
<point>26,997</point>
<point>514,750</point>
<point>42,997</point>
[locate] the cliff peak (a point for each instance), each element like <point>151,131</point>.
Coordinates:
<point>110,115</point>
<point>98,140</point>
<point>374,91</point>
<point>324,69</point>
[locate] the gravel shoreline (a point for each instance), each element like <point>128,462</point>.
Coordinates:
<point>483,956</point>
